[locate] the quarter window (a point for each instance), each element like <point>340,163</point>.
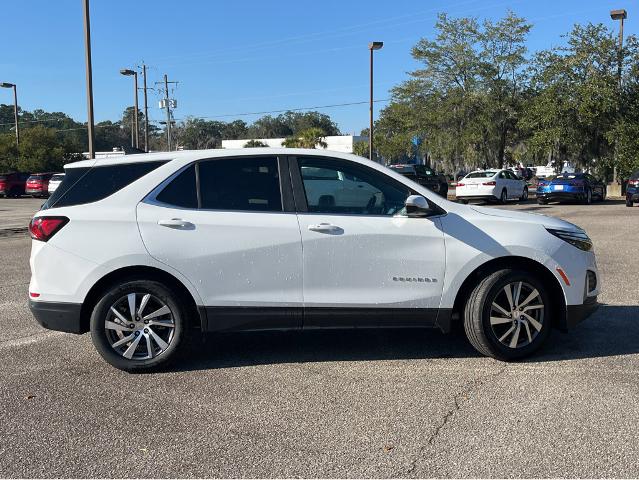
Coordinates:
<point>182,191</point>
<point>341,187</point>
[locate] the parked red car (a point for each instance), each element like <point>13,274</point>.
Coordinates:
<point>13,184</point>
<point>38,184</point>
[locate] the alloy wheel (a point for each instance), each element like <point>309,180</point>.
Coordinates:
<point>517,314</point>
<point>139,326</point>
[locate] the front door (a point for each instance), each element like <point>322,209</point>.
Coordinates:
<point>232,240</point>
<point>364,263</point>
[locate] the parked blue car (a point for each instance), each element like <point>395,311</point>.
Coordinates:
<point>581,187</point>
<point>632,191</point>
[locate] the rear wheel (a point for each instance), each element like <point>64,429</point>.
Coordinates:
<point>628,201</point>
<point>507,316</point>
<point>138,325</point>
<point>542,201</point>
<point>524,195</point>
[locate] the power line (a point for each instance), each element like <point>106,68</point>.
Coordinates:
<point>253,113</point>
<point>292,109</point>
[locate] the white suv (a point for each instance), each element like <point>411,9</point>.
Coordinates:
<point>144,249</point>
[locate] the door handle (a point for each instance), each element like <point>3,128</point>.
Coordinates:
<point>324,228</point>
<point>176,223</point>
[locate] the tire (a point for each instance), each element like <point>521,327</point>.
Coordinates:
<point>465,202</point>
<point>628,202</point>
<point>602,198</point>
<point>496,340</point>
<point>159,297</point>
<point>503,198</point>
<point>588,197</point>
<point>542,201</point>
<point>524,195</point>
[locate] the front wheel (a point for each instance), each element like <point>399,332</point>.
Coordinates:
<point>504,197</point>
<point>588,197</point>
<point>524,195</point>
<point>628,202</point>
<point>138,325</point>
<point>507,316</point>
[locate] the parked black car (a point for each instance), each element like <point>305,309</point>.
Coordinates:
<point>424,176</point>
<point>581,187</point>
<point>13,184</point>
<point>632,190</point>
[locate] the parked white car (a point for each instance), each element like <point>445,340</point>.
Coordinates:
<point>491,185</point>
<point>143,249</point>
<point>55,182</point>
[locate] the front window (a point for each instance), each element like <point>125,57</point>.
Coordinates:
<point>348,188</point>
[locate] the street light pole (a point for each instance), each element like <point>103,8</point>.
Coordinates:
<point>372,46</point>
<point>15,108</point>
<point>136,136</point>
<point>620,15</point>
<point>89,75</point>
<point>146,112</point>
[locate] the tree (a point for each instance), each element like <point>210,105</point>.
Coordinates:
<point>309,138</point>
<point>291,123</point>
<point>254,144</point>
<point>573,113</point>
<point>44,149</point>
<point>361,149</point>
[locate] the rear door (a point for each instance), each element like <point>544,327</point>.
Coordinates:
<point>365,264</point>
<point>236,238</point>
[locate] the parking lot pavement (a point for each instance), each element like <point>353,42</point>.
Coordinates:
<point>15,213</point>
<point>333,404</point>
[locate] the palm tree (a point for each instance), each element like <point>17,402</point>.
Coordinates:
<point>255,144</point>
<point>309,138</point>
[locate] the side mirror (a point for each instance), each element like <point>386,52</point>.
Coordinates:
<point>417,206</point>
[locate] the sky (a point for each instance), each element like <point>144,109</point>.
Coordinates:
<point>236,57</point>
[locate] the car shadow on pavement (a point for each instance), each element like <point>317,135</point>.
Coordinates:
<point>597,336</point>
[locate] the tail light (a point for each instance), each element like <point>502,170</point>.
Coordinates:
<point>491,184</point>
<point>459,184</point>
<point>632,183</point>
<point>43,228</point>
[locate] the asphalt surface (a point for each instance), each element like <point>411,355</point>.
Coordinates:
<point>332,404</point>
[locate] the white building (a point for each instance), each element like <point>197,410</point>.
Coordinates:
<point>338,143</point>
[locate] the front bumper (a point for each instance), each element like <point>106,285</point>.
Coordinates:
<point>578,313</point>
<point>63,317</point>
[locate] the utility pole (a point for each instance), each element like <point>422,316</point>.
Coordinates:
<point>146,112</point>
<point>15,108</point>
<point>166,103</point>
<point>89,75</point>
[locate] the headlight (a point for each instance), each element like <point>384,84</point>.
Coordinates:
<point>576,238</point>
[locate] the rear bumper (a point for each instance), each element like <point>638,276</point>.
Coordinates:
<point>35,191</point>
<point>63,317</point>
<point>476,197</point>
<point>577,313</point>
<point>633,194</point>
<point>550,196</point>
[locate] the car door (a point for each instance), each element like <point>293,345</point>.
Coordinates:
<point>517,185</point>
<point>366,264</point>
<point>234,238</point>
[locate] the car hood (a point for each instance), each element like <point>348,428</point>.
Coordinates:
<point>537,218</point>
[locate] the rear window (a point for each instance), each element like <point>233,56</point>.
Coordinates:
<point>90,184</point>
<point>481,174</point>
<point>58,177</point>
<point>36,177</point>
<point>403,168</point>
<point>567,176</point>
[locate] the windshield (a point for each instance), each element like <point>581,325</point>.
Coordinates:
<point>487,174</point>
